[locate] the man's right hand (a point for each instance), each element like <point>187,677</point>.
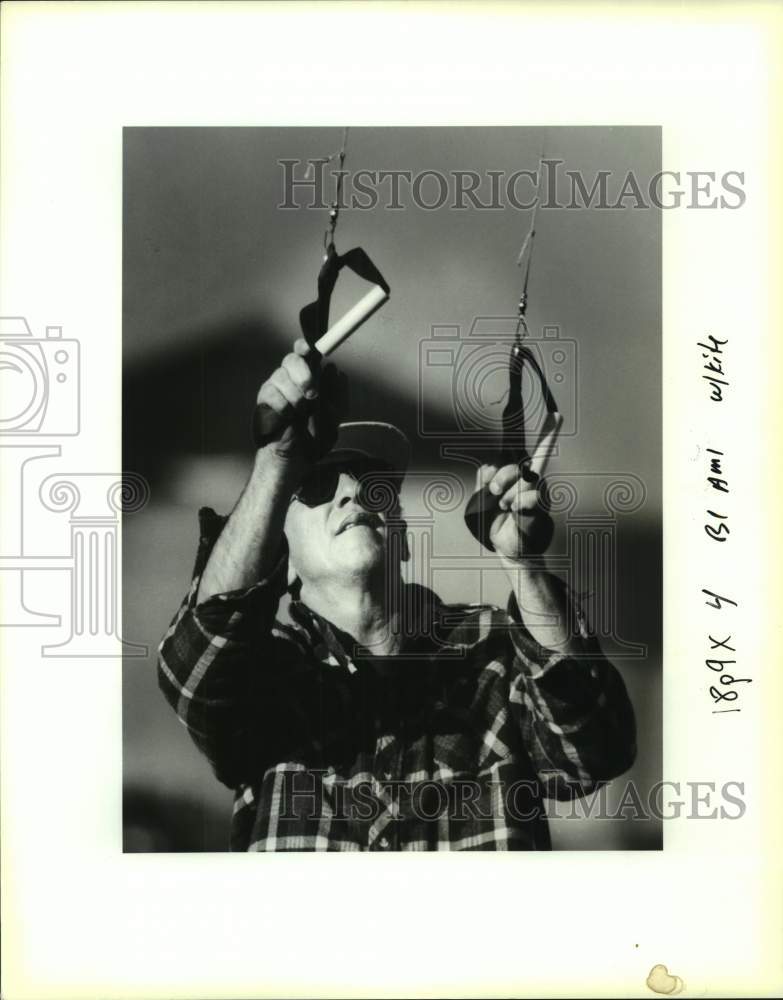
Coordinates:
<point>303,405</point>
<point>298,406</point>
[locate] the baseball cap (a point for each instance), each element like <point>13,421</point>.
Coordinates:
<point>373,440</point>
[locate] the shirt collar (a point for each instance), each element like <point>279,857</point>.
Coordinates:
<point>337,649</point>
<point>330,645</point>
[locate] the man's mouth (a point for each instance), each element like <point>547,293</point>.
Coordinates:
<point>358,520</point>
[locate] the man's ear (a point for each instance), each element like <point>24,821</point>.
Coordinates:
<point>401,533</point>
<point>405,553</point>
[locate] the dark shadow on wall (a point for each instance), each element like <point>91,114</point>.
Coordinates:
<point>199,401</point>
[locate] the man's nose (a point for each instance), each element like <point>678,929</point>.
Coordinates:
<point>347,489</point>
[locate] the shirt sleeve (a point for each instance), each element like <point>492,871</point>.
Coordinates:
<point>218,665</point>
<point>573,709</point>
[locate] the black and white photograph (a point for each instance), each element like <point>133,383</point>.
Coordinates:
<point>388,534</point>
<point>396,393</point>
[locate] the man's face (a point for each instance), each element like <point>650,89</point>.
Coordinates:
<point>336,538</point>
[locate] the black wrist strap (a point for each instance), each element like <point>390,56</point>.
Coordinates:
<point>314,317</point>
<point>482,508</point>
<point>314,321</point>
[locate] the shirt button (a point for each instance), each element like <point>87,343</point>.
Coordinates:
<point>383,843</point>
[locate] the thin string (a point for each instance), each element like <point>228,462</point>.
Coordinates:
<point>334,211</point>
<point>525,255</point>
<point>524,259</point>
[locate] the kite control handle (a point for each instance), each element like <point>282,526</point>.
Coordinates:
<point>483,507</point>
<point>267,423</point>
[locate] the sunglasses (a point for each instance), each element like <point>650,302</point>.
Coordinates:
<point>377,483</point>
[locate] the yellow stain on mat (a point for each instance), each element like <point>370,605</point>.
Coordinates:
<point>660,981</point>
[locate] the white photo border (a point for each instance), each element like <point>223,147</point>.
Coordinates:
<point>84,920</point>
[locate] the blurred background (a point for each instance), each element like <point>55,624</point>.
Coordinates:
<point>214,276</point>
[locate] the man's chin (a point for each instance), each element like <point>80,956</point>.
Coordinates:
<point>360,546</point>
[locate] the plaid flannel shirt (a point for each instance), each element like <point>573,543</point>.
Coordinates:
<point>453,748</point>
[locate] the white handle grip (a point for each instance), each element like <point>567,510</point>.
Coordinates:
<point>352,320</point>
<point>546,445</point>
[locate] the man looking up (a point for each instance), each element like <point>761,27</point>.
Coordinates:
<point>381,718</point>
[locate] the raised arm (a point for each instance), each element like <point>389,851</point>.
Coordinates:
<point>249,545</point>
<point>224,666</point>
<point>521,533</point>
<point>570,701</point>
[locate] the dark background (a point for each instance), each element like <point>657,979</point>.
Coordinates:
<point>214,275</point>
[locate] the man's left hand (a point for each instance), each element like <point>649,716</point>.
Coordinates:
<point>522,527</point>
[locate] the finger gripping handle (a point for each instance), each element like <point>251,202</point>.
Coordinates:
<point>312,444</point>
<point>268,425</point>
